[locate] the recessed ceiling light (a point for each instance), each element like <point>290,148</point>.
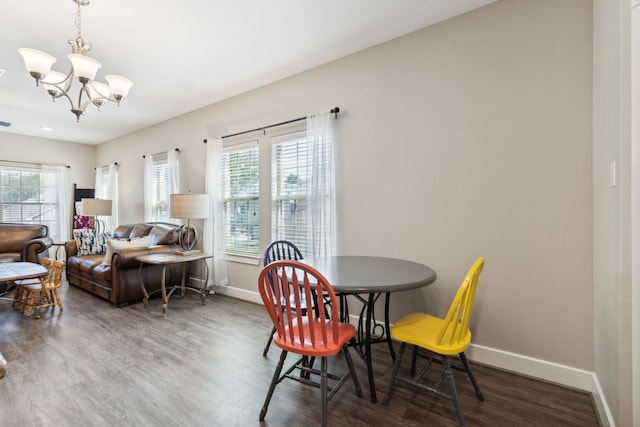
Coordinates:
<point>46,128</point>
<point>2,70</point>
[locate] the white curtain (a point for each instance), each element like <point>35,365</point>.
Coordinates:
<point>107,189</point>
<point>148,188</point>
<point>321,197</point>
<point>213,225</point>
<point>173,168</point>
<point>112,194</point>
<point>60,230</point>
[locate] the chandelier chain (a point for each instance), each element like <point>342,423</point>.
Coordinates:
<point>79,20</point>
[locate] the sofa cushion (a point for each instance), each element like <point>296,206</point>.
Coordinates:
<point>122,231</point>
<point>90,242</point>
<point>114,245</point>
<point>162,236</point>
<point>140,230</point>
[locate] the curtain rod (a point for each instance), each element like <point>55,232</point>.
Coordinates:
<point>177,150</point>
<point>334,111</point>
<point>32,163</point>
<point>114,163</point>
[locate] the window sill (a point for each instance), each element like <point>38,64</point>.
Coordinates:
<point>243,259</point>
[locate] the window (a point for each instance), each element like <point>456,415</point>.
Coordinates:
<point>103,183</point>
<point>161,180</point>
<point>30,195</point>
<point>240,200</point>
<point>289,177</point>
<point>160,193</point>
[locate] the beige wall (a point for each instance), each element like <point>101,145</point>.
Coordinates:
<point>469,138</point>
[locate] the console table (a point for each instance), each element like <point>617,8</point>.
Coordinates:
<point>171,259</point>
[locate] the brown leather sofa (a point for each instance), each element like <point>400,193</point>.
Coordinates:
<point>24,242</point>
<point>119,281</point>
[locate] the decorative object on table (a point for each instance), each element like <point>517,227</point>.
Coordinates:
<point>96,208</point>
<point>83,67</point>
<point>440,337</point>
<point>188,206</point>
<point>281,249</point>
<point>312,335</point>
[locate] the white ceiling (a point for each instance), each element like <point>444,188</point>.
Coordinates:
<point>184,55</point>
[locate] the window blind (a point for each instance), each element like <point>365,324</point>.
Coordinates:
<point>240,198</point>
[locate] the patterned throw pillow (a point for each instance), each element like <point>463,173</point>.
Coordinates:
<point>90,243</point>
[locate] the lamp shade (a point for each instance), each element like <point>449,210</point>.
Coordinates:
<point>84,67</point>
<point>189,206</point>
<point>36,61</point>
<point>96,207</point>
<point>119,85</point>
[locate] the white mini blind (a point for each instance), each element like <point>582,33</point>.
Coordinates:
<point>240,198</point>
<point>289,177</point>
<point>27,195</point>
<point>160,195</point>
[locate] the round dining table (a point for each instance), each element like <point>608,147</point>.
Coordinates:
<point>372,277</point>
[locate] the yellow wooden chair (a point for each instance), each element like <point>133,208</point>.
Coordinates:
<point>441,337</point>
<point>19,298</point>
<point>45,294</point>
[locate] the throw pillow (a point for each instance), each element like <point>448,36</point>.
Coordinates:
<point>114,245</point>
<point>89,242</point>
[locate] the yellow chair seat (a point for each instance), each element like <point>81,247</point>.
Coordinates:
<point>422,329</point>
<point>441,337</point>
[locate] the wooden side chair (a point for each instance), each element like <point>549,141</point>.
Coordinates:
<point>45,294</point>
<point>19,297</point>
<point>440,337</point>
<point>308,333</point>
<point>279,250</point>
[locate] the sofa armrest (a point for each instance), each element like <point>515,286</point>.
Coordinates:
<point>71,248</point>
<point>34,250</point>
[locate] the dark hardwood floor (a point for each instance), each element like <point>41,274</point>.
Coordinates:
<point>202,365</point>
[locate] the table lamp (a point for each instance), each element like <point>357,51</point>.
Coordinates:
<point>188,206</point>
<point>97,207</point>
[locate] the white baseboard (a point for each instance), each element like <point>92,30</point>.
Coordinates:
<point>601,404</point>
<point>230,291</point>
<point>548,371</point>
<point>518,363</point>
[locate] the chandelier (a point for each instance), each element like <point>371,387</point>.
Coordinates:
<point>83,67</point>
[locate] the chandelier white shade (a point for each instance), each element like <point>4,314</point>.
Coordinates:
<point>83,69</point>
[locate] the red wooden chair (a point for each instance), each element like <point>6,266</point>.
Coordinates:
<point>277,250</point>
<point>308,333</point>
